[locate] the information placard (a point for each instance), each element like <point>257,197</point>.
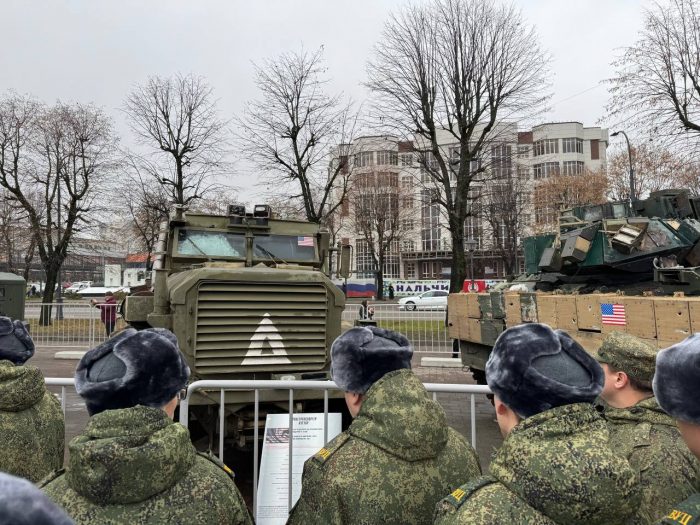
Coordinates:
<point>273,483</point>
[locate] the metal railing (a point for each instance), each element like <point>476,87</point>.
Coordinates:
<point>425,327</point>
<point>223,386</point>
<point>77,326</point>
<point>63,382</point>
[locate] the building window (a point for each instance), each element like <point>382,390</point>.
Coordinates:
<point>430,223</point>
<point>406,159</point>
<point>407,225</point>
<point>472,230</point>
<point>392,265</point>
<point>408,245</point>
<point>501,161</point>
<point>572,145</point>
<point>410,270</point>
<point>546,147</point>
<point>523,172</point>
<point>406,183</point>
<point>388,179</point>
<point>523,152</point>
<point>407,203</point>
<point>595,149</point>
<point>431,269</point>
<point>364,159</point>
<point>545,170</point>
<point>364,264</point>
<point>388,157</point>
<point>572,167</point>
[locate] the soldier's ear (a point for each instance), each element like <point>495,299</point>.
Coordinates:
<point>621,379</point>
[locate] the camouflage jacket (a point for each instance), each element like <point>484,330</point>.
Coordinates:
<point>31,424</point>
<point>392,465</point>
<point>649,439</point>
<point>553,468</point>
<point>684,513</point>
<point>136,465</point>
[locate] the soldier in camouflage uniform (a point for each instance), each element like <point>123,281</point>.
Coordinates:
<point>677,388</point>
<point>398,457</point>
<point>133,464</point>
<point>640,431</point>
<point>554,466</point>
<point>31,420</point>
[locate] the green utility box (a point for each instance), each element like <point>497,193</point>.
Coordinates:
<point>12,293</point>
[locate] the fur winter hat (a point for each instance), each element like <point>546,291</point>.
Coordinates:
<point>21,503</point>
<point>533,368</point>
<point>677,379</point>
<point>132,368</point>
<point>363,355</point>
<point>15,343</point>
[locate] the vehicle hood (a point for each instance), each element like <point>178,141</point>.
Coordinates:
<point>558,462</point>
<point>128,455</point>
<point>21,387</point>
<point>398,416</point>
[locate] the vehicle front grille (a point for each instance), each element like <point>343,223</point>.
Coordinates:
<point>250,327</point>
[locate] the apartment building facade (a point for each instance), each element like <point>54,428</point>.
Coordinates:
<point>421,244</point>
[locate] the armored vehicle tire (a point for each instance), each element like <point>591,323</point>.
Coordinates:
<point>410,306</point>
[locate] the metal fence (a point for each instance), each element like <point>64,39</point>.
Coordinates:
<point>73,324</point>
<point>425,328</point>
<point>291,386</point>
<point>79,325</point>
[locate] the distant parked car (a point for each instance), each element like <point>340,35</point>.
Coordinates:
<point>432,300</point>
<point>77,286</point>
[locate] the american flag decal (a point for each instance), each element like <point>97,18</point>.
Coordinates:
<point>305,241</point>
<point>613,314</point>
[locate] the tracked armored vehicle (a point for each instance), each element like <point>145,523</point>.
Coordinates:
<point>248,297</point>
<point>617,266</point>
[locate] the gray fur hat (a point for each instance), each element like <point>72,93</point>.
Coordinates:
<point>363,355</point>
<point>15,343</point>
<point>132,368</point>
<point>677,379</point>
<point>21,503</point>
<point>533,368</point>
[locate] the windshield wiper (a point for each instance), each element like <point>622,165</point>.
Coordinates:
<point>196,246</point>
<point>270,254</point>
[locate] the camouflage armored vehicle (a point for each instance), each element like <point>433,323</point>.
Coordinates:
<point>248,297</point>
<point>616,266</point>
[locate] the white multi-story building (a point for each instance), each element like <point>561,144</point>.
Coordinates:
<point>423,249</point>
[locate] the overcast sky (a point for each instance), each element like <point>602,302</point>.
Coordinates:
<point>95,51</point>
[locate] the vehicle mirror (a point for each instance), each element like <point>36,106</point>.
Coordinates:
<point>344,262</point>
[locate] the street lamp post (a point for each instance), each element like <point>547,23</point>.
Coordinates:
<point>629,156</point>
<point>471,246</point>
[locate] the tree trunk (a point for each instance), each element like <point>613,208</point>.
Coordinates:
<point>459,258</point>
<point>47,298</point>
<point>380,283</point>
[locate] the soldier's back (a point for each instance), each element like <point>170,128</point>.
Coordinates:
<point>31,424</point>
<point>206,495</point>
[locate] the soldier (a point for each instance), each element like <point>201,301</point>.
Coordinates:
<point>640,431</point>
<point>677,388</point>
<point>397,457</point>
<point>31,420</point>
<point>554,465</point>
<point>21,503</point>
<point>133,464</point>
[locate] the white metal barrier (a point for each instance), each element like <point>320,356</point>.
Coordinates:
<point>425,328</point>
<point>74,324</point>
<point>63,382</point>
<point>222,386</point>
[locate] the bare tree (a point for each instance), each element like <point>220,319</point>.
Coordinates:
<point>291,131</point>
<point>560,192</point>
<point>655,168</point>
<point>657,83</point>
<point>447,72</point>
<point>504,206</point>
<point>60,153</point>
<point>381,218</point>
<point>176,119</point>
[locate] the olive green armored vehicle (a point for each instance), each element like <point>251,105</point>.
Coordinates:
<point>248,296</point>
<point>617,266</point>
